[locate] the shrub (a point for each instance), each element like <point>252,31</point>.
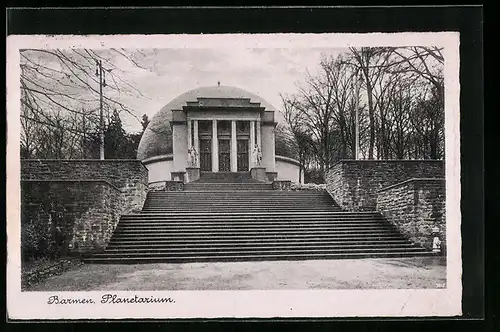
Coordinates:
<point>38,237</point>
<point>314,176</point>
<point>308,186</point>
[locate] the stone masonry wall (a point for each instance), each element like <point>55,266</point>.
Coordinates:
<point>354,184</point>
<point>72,217</point>
<point>86,197</point>
<point>416,206</point>
<point>130,176</point>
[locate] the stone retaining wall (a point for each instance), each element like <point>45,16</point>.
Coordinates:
<point>416,206</point>
<point>70,217</point>
<point>130,176</point>
<point>354,184</point>
<point>80,201</point>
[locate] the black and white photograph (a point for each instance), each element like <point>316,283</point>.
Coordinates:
<point>315,174</point>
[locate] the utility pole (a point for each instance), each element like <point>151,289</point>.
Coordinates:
<point>356,150</point>
<point>356,119</point>
<point>84,130</point>
<point>102,83</point>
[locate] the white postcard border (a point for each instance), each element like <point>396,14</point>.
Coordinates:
<point>242,304</point>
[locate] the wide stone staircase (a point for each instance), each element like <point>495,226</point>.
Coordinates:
<point>217,221</point>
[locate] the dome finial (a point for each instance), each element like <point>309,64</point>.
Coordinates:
<point>218,83</point>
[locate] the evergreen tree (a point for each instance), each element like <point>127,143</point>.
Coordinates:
<point>145,121</point>
<point>132,142</point>
<point>118,144</point>
<point>114,138</point>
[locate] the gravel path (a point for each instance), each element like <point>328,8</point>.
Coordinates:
<point>429,272</point>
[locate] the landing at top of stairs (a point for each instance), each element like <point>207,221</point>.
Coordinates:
<point>226,177</point>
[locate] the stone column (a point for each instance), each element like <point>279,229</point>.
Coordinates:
<point>189,134</point>
<point>215,147</point>
<point>196,140</point>
<point>258,135</point>
<point>252,144</point>
<point>234,165</point>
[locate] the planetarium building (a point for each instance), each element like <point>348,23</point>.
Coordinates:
<point>216,129</point>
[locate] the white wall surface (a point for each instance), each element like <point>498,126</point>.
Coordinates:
<point>159,170</point>
<point>288,170</point>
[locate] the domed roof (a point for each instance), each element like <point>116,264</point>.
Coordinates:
<point>157,138</point>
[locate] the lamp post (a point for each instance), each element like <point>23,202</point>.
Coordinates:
<point>102,83</point>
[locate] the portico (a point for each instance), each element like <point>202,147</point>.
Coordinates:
<point>223,135</point>
<point>227,145</point>
<point>216,129</point>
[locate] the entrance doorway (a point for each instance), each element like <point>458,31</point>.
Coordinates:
<point>242,155</point>
<point>224,155</point>
<point>206,155</point>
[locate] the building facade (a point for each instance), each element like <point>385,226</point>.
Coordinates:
<point>216,129</point>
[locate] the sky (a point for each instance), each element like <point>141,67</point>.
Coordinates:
<point>166,73</point>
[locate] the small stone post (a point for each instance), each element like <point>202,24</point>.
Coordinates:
<point>436,242</point>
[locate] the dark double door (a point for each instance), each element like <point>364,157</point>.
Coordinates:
<point>205,155</point>
<point>242,155</point>
<point>224,155</point>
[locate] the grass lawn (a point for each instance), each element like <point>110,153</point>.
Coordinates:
<point>392,273</point>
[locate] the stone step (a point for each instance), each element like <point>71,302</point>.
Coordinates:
<point>251,242</point>
<point>284,204</point>
<point>239,234</point>
<point>250,225</point>
<point>253,257</point>
<point>227,185</point>
<point>309,215</point>
<point>256,247</point>
<point>300,251</point>
<point>253,221</point>
<point>211,189</point>
<point>215,207</point>
<point>253,192</point>
<point>206,180</point>
<point>236,222</point>
<point>361,231</point>
<point>248,195</point>
<point>236,238</point>
<point>247,202</point>
<point>237,195</point>
<point>272,251</point>
<point>248,221</point>
<point>232,210</point>
<point>241,199</point>
<point>238,225</point>
<point>277,204</point>
<point>226,176</point>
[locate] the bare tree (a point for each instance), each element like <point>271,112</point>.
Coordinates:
<point>314,108</point>
<point>426,62</point>
<point>394,95</point>
<point>60,96</point>
<point>301,138</point>
<point>370,64</point>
